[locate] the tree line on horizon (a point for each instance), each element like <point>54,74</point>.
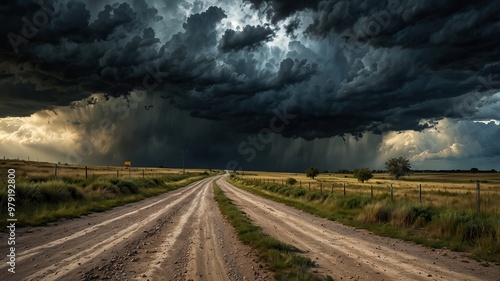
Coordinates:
<point>397,167</point>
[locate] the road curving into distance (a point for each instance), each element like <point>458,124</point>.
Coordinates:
<point>181,235</point>
<point>348,253</point>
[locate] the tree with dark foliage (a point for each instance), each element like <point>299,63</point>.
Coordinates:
<point>398,167</point>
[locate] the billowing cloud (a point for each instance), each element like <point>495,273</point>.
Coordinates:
<point>449,140</point>
<point>249,38</point>
<point>281,9</point>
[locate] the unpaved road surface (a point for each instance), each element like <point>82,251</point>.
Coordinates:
<point>180,235</point>
<point>346,253</point>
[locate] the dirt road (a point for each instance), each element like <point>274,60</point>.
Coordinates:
<point>180,235</point>
<point>348,253</point>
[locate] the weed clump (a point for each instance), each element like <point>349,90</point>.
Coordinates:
<point>375,213</point>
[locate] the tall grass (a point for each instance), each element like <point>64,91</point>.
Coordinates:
<point>39,201</point>
<point>448,223</point>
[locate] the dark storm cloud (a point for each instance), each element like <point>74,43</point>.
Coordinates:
<point>291,27</point>
<point>401,63</point>
<point>119,51</point>
<point>54,46</point>
<point>249,38</point>
<point>363,66</point>
<point>24,99</point>
<point>281,9</point>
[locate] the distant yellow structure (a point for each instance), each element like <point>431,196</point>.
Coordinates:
<point>127,164</point>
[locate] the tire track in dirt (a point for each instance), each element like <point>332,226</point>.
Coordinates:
<point>56,251</point>
<point>213,236</point>
<point>36,250</point>
<point>65,266</point>
<point>165,248</point>
<point>345,252</point>
<point>204,245</point>
<point>195,243</point>
<point>179,235</point>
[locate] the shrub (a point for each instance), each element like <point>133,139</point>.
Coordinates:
<point>28,193</point>
<point>54,191</point>
<point>352,202</point>
<point>102,184</point>
<point>127,184</point>
<point>299,192</point>
<point>375,212</point>
<point>408,216</point>
<point>311,196</point>
<point>75,192</point>
<point>465,228</point>
<point>291,181</point>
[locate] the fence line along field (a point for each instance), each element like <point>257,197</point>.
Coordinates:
<point>46,192</point>
<point>44,170</point>
<point>448,213</point>
<point>441,189</point>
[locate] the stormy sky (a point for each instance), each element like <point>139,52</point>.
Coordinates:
<point>252,84</point>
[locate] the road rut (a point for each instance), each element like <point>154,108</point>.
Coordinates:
<point>179,235</point>
<point>348,253</point>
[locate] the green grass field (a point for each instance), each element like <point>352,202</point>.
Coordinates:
<point>446,217</point>
<point>440,189</point>
<point>42,197</point>
<point>33,170</point>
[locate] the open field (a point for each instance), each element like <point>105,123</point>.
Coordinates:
<point>41,197</point>
<point>446,216</point>
<point>44,170</point>
<point>441,189</point>
<point>345,252</point>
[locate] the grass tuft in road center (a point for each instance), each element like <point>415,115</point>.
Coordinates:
<point>281,258</point>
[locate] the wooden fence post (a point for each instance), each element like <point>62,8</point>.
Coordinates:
<point>309,186</point>
<point>320,188</point>
<point>478,197</point>
<point>86,175</point>
<point>55,171</point>
<point>420,192</point>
